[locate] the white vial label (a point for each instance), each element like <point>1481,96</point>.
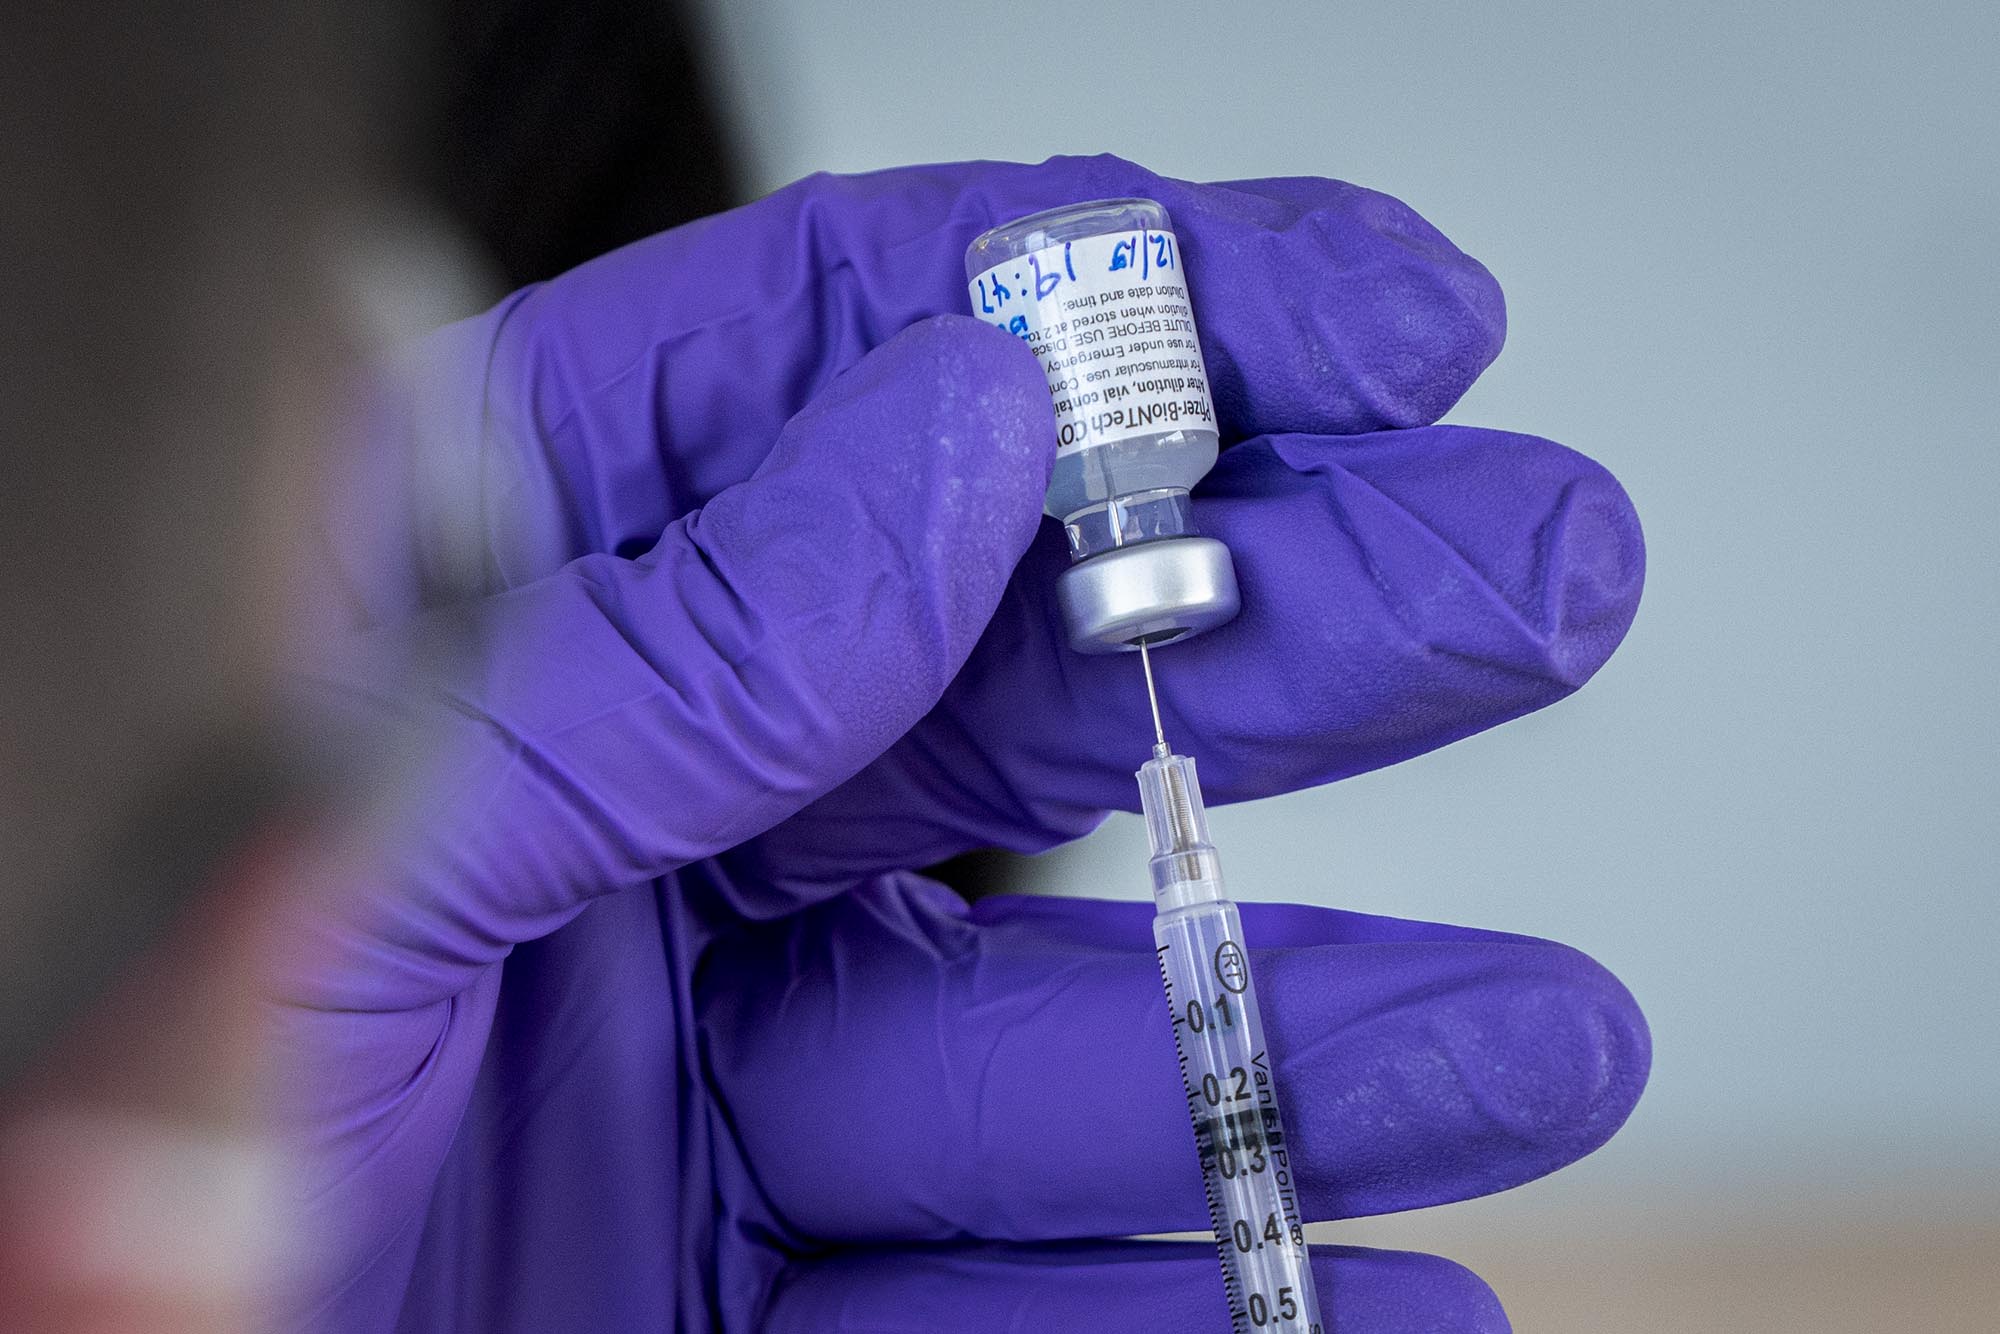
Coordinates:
<point>1109,318</point>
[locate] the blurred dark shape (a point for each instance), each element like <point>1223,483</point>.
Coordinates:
<point>171,173</point>
<point>174,348</point>
<point>563,130</point>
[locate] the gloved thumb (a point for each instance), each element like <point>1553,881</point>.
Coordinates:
<point>626,716</point>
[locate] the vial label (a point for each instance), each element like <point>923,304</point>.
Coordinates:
<point>1109,318</point>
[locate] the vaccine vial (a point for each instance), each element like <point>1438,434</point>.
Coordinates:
<point>1098,291</point>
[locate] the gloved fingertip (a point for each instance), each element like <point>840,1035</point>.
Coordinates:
<point>1438,1072</point>
<point>1426,363</point>
<point>1552,1065</point>
<point>1325,306</point>
<point>1605,1045</point>
<point>1403,1292</point>
<point>1596,555</point>
<point>1486,569</point>
<point>1427,332</point>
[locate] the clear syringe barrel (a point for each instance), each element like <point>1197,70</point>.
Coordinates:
<point>1246,1159</point>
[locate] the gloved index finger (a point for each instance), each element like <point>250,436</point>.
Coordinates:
<point>1329,308</point>
<point>1322,306</point>
<point>654,376</point>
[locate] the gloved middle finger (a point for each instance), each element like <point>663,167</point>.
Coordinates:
<point>1401,590</point>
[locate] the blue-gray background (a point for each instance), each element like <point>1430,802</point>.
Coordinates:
<point>1752,261</point>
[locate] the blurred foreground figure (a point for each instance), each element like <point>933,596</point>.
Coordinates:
<point>207,238</point>
<point>469,812</point>
<point>172,174</point>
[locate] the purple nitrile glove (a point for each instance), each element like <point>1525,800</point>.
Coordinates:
<point>647,1023</point>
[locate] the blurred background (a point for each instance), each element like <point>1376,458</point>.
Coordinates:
<point>1752,264</point>
<point>1752,259</point>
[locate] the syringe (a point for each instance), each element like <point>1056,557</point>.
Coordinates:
<point>1098,292</point>
<point>1246,1162</point>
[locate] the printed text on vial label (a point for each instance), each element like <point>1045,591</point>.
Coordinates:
<point>1109,318</point>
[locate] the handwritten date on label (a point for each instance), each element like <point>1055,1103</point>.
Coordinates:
<point>1109,318</point>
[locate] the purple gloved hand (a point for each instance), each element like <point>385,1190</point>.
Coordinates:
<point>647,1022</point>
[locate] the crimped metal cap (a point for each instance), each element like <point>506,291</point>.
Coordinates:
<point>1153,591</point>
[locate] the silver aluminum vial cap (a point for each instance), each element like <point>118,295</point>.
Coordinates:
<point>1153,592</point>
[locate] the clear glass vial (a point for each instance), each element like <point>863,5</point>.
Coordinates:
<point>1064,280</point>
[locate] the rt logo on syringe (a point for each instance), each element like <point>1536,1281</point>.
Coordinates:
<point>1229,969</point>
